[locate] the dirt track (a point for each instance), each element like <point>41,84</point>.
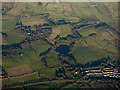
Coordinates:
<point>54,81</point>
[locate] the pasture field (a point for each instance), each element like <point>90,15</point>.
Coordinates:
<point>49,73</point>
<point>8,25</point>
<point>55,32</point>
<point>52,60</point>
<point>40,46</point>
<point>91,42</point>
<point>102,11</point>
<point>23,8</point>
<point>93,50</point>
<point>33,20</point>
<point>84,55</point>
<point>62,30</point>
<point>65,30</point>
<point>14,37</point>
<point>111,48</point>
<point>99,41</point>
<point>55,7</point>
<point>85,32</point>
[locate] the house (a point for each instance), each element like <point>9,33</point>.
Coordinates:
<point>57,1</point>
<point>49,4</point>
<point>76,72</point>
<point>21,54</point>
<point>94,5</point>
<point>28,33</point>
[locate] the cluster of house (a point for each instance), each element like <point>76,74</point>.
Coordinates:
<point>94,5</point>
<point>106,72</point>
<point>110,73</point>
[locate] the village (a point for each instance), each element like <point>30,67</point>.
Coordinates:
<point>106,72</point>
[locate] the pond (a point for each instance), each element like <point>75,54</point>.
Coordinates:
<point>63,49</point>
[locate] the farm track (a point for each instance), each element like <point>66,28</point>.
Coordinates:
<point>18,76</point>
<point>54,81</point>
<point>69,85</point>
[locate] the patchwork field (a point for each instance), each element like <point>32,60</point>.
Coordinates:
<point>35,35</point>
<point>29,58</point>
<point>62,31</point>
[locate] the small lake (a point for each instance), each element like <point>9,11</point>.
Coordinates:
<point>63,49</point>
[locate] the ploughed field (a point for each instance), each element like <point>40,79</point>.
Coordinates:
<point>51,41</point>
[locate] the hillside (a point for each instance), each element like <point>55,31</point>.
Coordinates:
<point>53,41</point>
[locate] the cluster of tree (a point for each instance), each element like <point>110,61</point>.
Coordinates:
<point>101,25</point>
<point>39,4</point>
<point>4,73</point>
<point>76,34</point>
<point>4,34</point>
<point>7,7</point>
<point>92,34</point>
<point>45,52</point>
<point>60,71</point>
<point>69,65</point>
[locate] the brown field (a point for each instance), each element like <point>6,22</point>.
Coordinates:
<point>33,22</point>
<point>18,70</point>
<point>67,7</point>
<point>56,31</point>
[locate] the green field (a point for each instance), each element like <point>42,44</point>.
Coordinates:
<point>52,60</point>
<point>50,73</point>
<point>86,31</point>
<point>84,55</point>
<point>66,30</point>
<point>62,30</point>
<point>40,46</point>
<point>29,58</point>
<point>33,20</point>
<point>8,25</point>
